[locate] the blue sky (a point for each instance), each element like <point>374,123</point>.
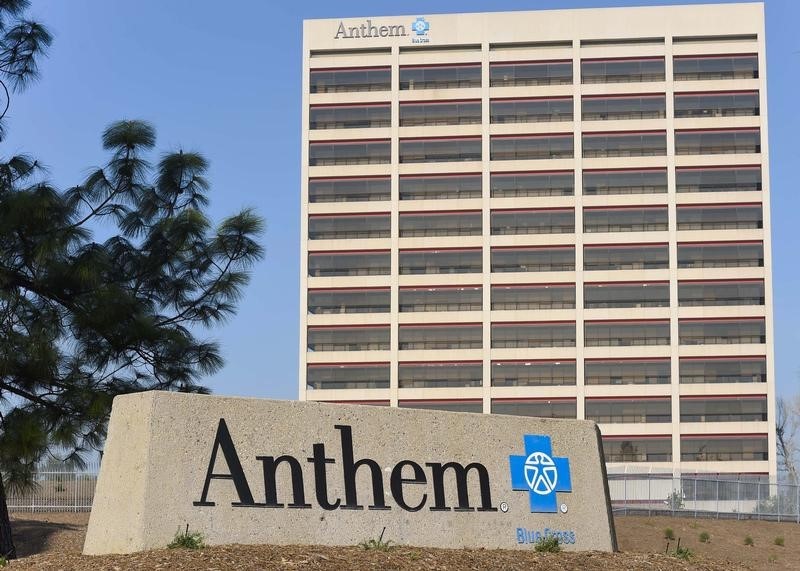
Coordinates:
<point>224,79</point>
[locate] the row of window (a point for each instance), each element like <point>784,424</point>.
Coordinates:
<point>537,259</point>
<point>538,296</point>
<point>533,221</point>
<point>534,110</point>
<point>693,449</point>
<point>537,373</point>
<point>536,147</point>
<point>527,73</point>
<point>520,335</point>
<point>532,184</point>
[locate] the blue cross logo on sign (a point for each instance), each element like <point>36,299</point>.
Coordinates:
<point>540,474</point>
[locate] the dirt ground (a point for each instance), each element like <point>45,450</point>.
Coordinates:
<point>53,541</point>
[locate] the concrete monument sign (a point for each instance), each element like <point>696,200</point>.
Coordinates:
<point>260,471</point>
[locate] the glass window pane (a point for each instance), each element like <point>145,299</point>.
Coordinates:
<point>529,335</point>
<point>727,409</point>
<point>438,375</point>
<point>627,372</point>
<point>349,189</point>
<point>361,338</point>
<point>440,261</point>
<point>440,187</point>
<point>436,224</point>
<point>624,145</point>
<point>722,332</point>
<point>530,73</point>
<point>327,301</point>
<point>340,80</point>
<point>722,449</point>
<point>440,77</point>
<point>531,110</point>
<point>551,408</point>
<point>629,410</point>
<point>727,370</point>
<point>440,113</point>
<point>625,182</point>
<point>623,70</point>
<point>531,147</point>
<point>715,67</point>
<point>625,333</point>
<point>559,259</point>
<point>349,376</point>
<point>457,298</point>
<point>628,107</point>
<point>439,337</point>
<point>439,150</point>
<point>522,297</point>
<point>625,257</point>
<point>532,184</point>
<point>721,255</point>
<point>608,295</point>
<point>326,227</point>
<point>326,264</point>
<point>616,449</point>
<point>719,179</point>
<point>533,373</point>
<point>549,221</point>
<point>349,116</point>
<point>645,219</point>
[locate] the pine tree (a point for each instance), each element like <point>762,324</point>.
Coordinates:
<point>84,320</point>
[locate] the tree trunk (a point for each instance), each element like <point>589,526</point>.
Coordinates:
<point>7,548</point>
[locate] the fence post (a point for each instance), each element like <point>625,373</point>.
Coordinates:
<point>695,497</point>
<point>75,502</point>
<point>738,497</point>
<point>625,490</point>
<point>717,496</point>
<point>780,507</point>
<point>797,504</point>
<point>758,500</point>
<point>649,498</point>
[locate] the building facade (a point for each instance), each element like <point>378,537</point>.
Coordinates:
<point>556,213</point>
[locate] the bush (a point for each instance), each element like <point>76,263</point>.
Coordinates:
<point>186,540</point>
<point>3,561</point>
<point>669,534</point>
<point>548,544</point>
<point>705,537</point>
<point>375,544</point>
<point>683,553</point>
<point>779,541</point>
<point>675,500</point>
<point>749,541</point>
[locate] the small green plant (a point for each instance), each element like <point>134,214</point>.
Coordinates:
<point>704,537</point>
<point>683,553</point>
<point>376,544</point>
<point>749,541</point>
<point>547,544</point>
<point>694,525</point>
<point>3,561</point>
<point>186,540</point>
<point>675,500</point>
<point>669,534</point>
<point>779,541</point>
<point>772,559</point>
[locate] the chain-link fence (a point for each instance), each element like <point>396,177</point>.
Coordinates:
<point>706,496</point>
<point>57,491</point>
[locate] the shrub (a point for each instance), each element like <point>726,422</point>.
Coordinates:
<point>548,544</point>
<point>748,541</point>
<point>675,500</point>
<point>186,540</point>
<point>376,544</point>
<point>683,553</point>
<point>779,541</point>
<point>705,537</point>
<point>3,561</point>
<point>669,534</point>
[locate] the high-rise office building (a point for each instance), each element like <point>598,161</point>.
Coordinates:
<point>556,213</point>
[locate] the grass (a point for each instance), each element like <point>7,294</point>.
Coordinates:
<point>779,541</point>
<point>749,541</point>
<point>683,553</point>
<point>186,540</point>
<point>704,537</point>
<point>547,544</point>
<point>3,561</point>
<point>669,534</point>
<point>376,544</point>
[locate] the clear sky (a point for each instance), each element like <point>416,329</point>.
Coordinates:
<point>224,79</point>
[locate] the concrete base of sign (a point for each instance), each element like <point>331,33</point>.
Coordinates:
<point>259,471</point>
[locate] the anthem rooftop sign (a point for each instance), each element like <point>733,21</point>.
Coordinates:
<point>259,471</point>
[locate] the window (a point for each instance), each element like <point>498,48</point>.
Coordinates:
<point>349,153</point>
<point>546,259</point>
<point>503,74</point>
<point>607,295</point>
<point>418,224</point>
<point>624,144</point>
<point>533,373</point>
<point>328,301</point>
<point>327,264</point>
<point>710,293</point>
<point>531,110</point>
<point>718,179</point>
<point>339,227</point>
<point>512,185</point>
<point>358,79</point>
<point>637,410</point>
<point>438,187</point>
<point>359,338</point>
<point>723,370</point>
<point>720,142</point>
<point>644,219</point>
<point>720,217</point>
<point>361,116</point>
<point>720,104</point>
<point>624,449</point>
<point>349,189</point>
<point>535,296</point>
<point>724,409</point>
<point>348,376</point>
<point>603,108</point>
<point>722,331</point>
<point>622,70</point>
<point>516,147</point>
<point>724,449</point>
<point>440,113</point>
<point>632,257</point>
<point>443,261</point>
<point>721,255</point>
<point>440,150</point>
<point>627,372</point>
<point>546,221</point>
<point>452,298</point>
<point>463,405</point>
<point>645,181</point>
<point>625,333</point>
<point>532,335</point>
<point>440,76</point>
<point>439,375</point>
<point>743,66</point>
<point>438,337</point>
<point>543,408</point>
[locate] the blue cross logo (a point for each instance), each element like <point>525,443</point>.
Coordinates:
<point>421,26</point>
<point>540,474</point>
